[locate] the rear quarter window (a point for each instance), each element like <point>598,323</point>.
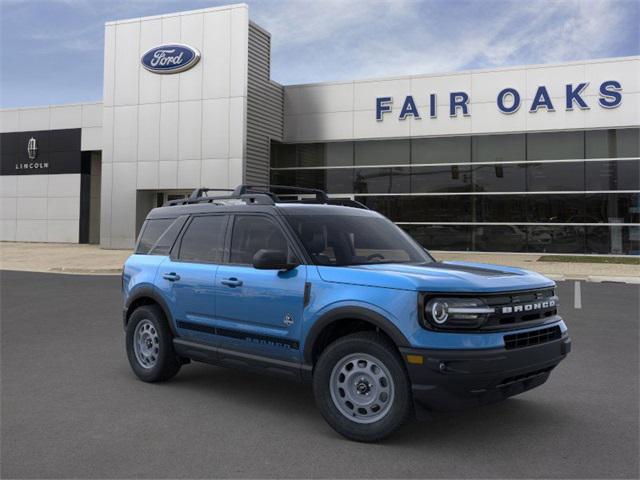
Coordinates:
<point>158,235</point>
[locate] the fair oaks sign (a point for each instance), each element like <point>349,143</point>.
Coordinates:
<point>173,58</point>
<point>508,100</point>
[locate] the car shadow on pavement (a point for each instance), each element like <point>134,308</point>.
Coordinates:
<point>285,400</point>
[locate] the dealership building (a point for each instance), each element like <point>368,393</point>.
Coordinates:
<point>541,158</point>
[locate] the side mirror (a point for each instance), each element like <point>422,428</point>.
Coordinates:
<point>272,260</point>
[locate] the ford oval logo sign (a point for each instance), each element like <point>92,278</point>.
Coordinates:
<point>173,58</point>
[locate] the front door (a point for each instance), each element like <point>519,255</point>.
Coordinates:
<point>259,311</point>
<point>187,279</point>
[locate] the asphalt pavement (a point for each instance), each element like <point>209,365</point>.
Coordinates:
<point>71,408</point>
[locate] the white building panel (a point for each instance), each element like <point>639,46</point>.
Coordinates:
<point>125,134</point>
<point>149,132</point>
<point>191,30</point>
<point>216,63</point>
<point>62,231</point>
<point>215,128</point>
<point>63,208</point>
<point>9,120</point>
<point>33,119</point>
<point>149,83</point>
<point>126,63</point>
<point>8,230</point>
<point>190,130</point>
<point>91,115</point>
<point>65,116</point>
<point>31,230</point>
<point>91,139</point>
<point>32,208</point>
<point>63,185</point>
<point>170,84</point>
<point>147,175</point>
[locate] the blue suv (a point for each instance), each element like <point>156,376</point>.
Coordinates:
<point>288,281</point>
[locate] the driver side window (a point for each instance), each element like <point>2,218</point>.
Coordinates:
<point>252,233</point>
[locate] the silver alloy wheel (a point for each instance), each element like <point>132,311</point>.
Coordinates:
<point>361,388</point>
<point>146,344</point>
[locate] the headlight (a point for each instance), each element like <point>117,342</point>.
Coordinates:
<point>456,312</point>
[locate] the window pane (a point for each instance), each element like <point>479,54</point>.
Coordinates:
<point>338,180</point>
<point>168,238</point>
<point>382,180</point>
<point>354,240</point>
<point>499,208</point>
<point>427,208</point>
<point>252,233</point>
<point>385,152</point>
<point>441,150</point>
<point>543,177</point>
<point>556,239</point>
<point>151,233</point>
<point>613,240</point>
<point>613,175</point>
<point>283,155</point>
<point>499,148</point>
<point>555,145</point>
<point>499,178</point>
<point>339,154</point>
<point>204,239</point>
<point>441,237</point>
<point>613,143</point>
<point>500,238</point>
<point>310,154</point>
<point>445,178</point>
<point>555,208</point>
<point>613,207</point>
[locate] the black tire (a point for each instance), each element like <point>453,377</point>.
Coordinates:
<point>166,363</point>
<point>379,347</point>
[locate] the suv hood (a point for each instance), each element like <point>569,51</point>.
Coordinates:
<point>437,277</point>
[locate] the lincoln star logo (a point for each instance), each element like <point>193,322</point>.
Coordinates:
<point>529,307</point>
<point>32,149</point>
<point>172,58</point>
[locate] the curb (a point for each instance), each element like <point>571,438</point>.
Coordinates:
<point>93,271</point>
<point>593,278</point>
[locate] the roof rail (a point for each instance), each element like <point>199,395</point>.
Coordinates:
<point>321,195</point>
<point>263,195</point>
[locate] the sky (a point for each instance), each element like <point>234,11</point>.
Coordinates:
<point>51,51</point>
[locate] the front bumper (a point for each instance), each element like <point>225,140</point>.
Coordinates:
<point>456,379</point>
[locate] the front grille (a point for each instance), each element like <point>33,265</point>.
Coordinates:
<point>513,318</point>
<point>534,337</point>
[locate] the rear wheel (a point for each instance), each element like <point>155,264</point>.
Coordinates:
<point>361,387</point>
<point>150,345</point>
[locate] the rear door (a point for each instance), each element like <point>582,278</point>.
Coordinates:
<point>187,278</point>
<point>260,311</point>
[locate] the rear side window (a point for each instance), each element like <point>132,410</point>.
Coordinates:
<point>152,231</point>
<point>203,240</point>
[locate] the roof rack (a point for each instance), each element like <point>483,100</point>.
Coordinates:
<point>263,195</point>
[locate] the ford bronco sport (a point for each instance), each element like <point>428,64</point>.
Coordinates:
<point>326,291</point>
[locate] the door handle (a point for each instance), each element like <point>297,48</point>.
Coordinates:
<point>231,282</point>
<point>172,277</point>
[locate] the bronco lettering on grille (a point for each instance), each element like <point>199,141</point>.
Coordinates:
<point>529,307</point>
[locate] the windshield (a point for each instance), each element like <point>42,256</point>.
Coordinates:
<point>342,240</point>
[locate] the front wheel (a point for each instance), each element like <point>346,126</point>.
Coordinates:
<point>150,345</point>
<point>361,387</point>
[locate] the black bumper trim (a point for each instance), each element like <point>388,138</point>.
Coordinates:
<point>455,379</point>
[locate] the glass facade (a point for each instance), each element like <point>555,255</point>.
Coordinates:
<point>564,192</point>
